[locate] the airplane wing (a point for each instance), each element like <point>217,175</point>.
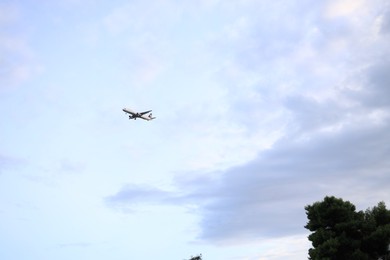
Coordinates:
<point>143,113</point>
<point>148,117</point>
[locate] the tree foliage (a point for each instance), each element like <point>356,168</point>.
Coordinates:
<point>340,232</point>
<point>198,257</point>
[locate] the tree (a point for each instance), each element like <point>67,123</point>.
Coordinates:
<point>199,257</point>
<point>377,231</point>
<point>340,232</point>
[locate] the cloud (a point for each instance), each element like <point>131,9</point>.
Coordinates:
<point>7,162</point>
<point>330,147</point>
<point>128,17</point>
<point>131,195</point>
<point>349,159</point>
<point>68,166</point>
<point>75,245</point>
<point>17,60</point>
<point>377,93</point>
<point>8,13</point>
<point>344,8</point>
<point>385,20</point>
<point>265,198</point>
<point>324,81</point>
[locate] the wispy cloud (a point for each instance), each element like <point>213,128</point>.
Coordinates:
<point>132,195</point>
<point>76,245</point>
<point>17,62</point>
<point>7,162</point>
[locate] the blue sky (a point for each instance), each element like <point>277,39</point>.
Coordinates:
<point>262,107</point>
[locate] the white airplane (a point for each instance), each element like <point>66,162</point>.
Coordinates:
<point>134,115</point>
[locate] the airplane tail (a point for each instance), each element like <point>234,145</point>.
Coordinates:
<point>151,116</point>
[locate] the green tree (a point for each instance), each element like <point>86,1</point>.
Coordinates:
<point>376,241</point>
<point>199,257</point>
<point>340,232</point>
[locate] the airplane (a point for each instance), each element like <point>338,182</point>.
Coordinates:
<point>134,115</point>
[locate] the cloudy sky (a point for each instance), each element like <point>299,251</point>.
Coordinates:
<point>262,107</point>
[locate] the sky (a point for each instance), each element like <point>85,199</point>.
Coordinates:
<point>262,107</point>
